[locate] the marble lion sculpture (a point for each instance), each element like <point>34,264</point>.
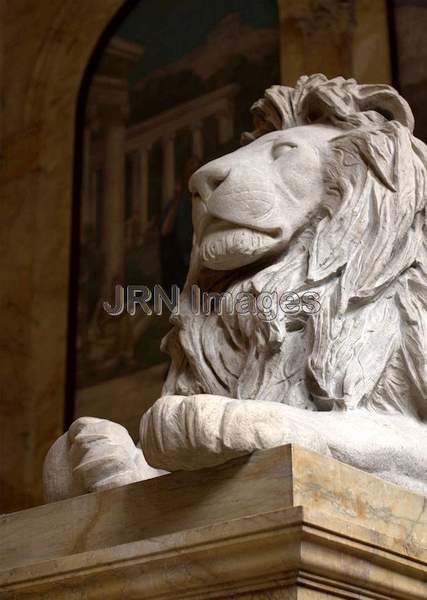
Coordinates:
<point>327,195</point>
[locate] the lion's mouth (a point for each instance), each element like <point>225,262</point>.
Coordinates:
<point>236,238</point>
<point>225,246</point>
<point>214,226</point>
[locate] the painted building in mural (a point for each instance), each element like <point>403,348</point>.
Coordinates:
<point>161,102</point>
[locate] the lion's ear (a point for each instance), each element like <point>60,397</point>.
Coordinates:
<point>376,231</point>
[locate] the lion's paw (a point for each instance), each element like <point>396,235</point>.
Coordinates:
<point>94,455</point>
<point>102,454</point>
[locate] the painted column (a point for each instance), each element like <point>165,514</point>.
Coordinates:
<point>197,133</point>
<point>226,126</point>
<point>94,192</point>
<point>113,206</point>
<point>168,187</point>
<point>135,184</point>
<point>143,184</point>
<point>86,192</point>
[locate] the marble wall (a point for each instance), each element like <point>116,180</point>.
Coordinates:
<point>44,49</point>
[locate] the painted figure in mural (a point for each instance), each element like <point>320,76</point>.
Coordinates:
<point>328,197</point>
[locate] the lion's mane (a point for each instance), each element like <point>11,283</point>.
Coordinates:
<point>364,253</point>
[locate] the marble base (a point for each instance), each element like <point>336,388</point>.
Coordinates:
<point>286,523</point>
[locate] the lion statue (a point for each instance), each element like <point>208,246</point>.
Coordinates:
<point>327,197</point>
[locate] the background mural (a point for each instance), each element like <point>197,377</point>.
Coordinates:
<point>162,101</point>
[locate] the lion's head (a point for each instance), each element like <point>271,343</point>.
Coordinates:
<point>328,195</point>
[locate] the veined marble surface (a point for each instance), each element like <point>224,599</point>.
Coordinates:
<point>283,523</point>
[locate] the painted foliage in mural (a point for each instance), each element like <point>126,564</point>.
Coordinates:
<point>163,100</point>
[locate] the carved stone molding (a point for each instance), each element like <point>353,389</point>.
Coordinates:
<point>334,37</point>
<point>324,29</point>
<point>316,17</point>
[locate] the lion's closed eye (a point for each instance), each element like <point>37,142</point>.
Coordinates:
<point>281,148</point>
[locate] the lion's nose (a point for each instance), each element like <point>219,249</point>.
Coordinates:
<point>207,179</point>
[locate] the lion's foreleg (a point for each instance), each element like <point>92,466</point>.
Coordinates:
<point>391,446</point>
<point>187,433</point>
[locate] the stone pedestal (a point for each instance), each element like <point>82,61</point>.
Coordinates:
<point>282,524</point>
